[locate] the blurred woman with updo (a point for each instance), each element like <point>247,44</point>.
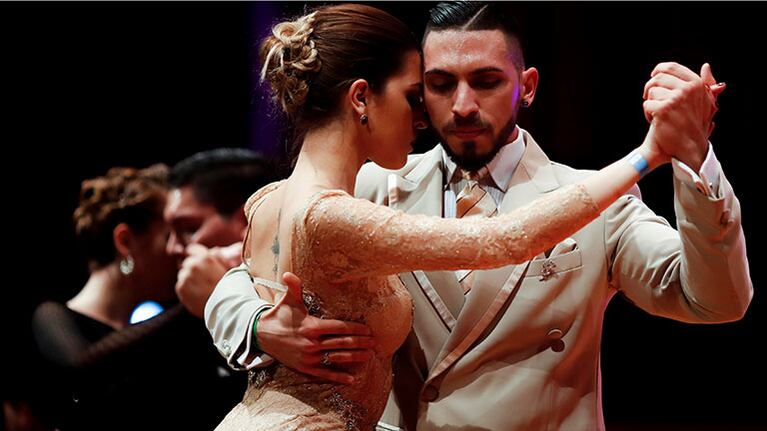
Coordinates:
<point>121,231</point>
<point>120,227</point>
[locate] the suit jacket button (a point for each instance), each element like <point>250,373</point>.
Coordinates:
<point>429,394</point>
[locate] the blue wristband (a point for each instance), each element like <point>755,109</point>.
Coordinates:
<point>639,163</point>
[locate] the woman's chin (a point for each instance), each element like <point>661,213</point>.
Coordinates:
<point>396,164</point>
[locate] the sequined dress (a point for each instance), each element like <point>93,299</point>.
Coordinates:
<point>348,251</point>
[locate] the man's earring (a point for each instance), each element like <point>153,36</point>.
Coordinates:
<point>363,119</point>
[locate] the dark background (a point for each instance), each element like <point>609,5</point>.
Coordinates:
<point>92,85</point>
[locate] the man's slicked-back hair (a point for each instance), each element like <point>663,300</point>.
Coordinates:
<point>223,177</point>
<point>475,16</point>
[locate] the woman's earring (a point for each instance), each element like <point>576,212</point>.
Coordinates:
<point>363,119</point>
<point>525,104</point>
<point>126,265</point>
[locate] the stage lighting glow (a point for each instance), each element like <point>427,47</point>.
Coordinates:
<point>144,311</point>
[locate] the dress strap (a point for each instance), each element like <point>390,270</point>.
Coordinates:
<point>270,284</point>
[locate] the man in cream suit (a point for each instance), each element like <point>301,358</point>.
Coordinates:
<point>517,348</point>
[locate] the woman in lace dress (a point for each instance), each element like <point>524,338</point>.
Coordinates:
<point>349,79</point>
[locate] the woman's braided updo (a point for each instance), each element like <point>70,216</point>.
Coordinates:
<point>310,62</point>
<point>289,60</point>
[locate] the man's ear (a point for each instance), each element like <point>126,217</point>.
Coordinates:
<point>529,81</point>
<point>358,95</point>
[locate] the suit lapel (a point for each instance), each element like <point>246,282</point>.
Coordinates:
<point>492,288</point>
<point>414,192</point>
<point>421,191</point>
<point>533,178</point>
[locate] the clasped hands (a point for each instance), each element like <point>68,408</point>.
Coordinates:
<point>680,106</point>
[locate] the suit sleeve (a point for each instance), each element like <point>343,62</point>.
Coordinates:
<point>229,315</point>
<point>698,273</point>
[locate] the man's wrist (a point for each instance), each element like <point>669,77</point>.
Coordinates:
<point>693,163</point>
<point>695,158</point>
<point>255,327</point>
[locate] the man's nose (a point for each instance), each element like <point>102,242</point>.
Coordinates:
<point>465,102</point>
<point>174,246</point>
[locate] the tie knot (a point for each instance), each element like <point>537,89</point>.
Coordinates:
<point>474,200</point>
<point>475,175</point>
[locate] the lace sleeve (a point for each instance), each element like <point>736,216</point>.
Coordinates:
<point>345,238</point>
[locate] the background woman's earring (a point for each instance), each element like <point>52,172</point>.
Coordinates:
<point>363,119</point>
<point>525,104</point>
<point>126,265</point>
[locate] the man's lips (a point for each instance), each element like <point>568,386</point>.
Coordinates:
<point>467,133</point>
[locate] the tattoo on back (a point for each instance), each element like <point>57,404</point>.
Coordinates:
<point>276,245</point>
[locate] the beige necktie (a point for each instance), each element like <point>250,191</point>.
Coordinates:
<point>473,201</point>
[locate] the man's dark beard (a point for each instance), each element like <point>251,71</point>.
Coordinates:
<point>472,162</point>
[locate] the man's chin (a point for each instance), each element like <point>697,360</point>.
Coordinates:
<point>470,161</point>
<point>470,164</point>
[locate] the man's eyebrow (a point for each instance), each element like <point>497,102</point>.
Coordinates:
<point>439,72</point>
<point>480,71</point>
<point>489,69</point>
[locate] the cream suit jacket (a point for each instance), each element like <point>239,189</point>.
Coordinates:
<point>521,350</point>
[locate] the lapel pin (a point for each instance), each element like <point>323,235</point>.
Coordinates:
<point>548,270</point>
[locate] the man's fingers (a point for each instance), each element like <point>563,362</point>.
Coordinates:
<point>315,328</point>
<point>326,373</point>
<point>231,255</point>
<point>338,357</point>
<point>196,249</point>
<point>348,342</point>
<point>675,69</point>
<point>349,356</point>
<point>652,107</point>
<point>340,327</point>
<point>315,365</point>
<point>659,93</point>
<point>663,80</point>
